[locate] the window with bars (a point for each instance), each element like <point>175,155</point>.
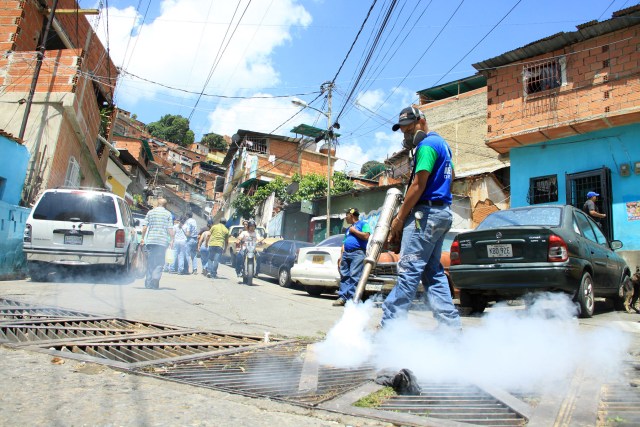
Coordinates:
<point>72,178</point>
<point>544,75</point>
<point>543,189</point>
<point>256,145</point>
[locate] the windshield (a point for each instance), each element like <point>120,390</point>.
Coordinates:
<point>536,216</point>
<point>80,207</point>
<point>332,241</point>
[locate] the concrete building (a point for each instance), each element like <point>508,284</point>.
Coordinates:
<point>567,111</point>
<point>70,117</point>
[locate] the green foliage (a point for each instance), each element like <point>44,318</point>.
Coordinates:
<point>341,183</point>
<point>376,399</point>
<point>138,198</point>
<point>106,113</point>
<point>372,168</point>
<point>214,141</point>
<point>173,129</point>
<point>244,206</point>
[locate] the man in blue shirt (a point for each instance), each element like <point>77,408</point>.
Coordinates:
<point>422,221</point>
<point>352,255</point>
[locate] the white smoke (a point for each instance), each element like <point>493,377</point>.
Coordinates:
<point>525,350</point>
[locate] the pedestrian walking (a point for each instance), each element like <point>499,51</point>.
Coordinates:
<point>203,246</point>
<point>422,221</point>
<point>157,235</point>
<point>191,231</point>
<point>351,262</point>
<point>181,262</point>
<point>218,239</point>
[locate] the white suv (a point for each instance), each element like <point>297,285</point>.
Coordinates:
<point>78,227</point>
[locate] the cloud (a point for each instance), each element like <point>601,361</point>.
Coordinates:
<point>191,39</point>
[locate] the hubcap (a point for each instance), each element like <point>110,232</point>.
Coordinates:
<point>283,277</point>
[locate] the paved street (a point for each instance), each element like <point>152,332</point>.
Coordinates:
<point>75,393</point>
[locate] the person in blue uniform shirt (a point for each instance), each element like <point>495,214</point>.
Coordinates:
<point>421,224</point>
<point>352,255</point>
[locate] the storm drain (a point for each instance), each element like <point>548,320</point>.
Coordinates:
<point>141,350</point>
<point>457,402</point>
<point>620,401</point>
<point>8,314</point>
<point>46,330</point>
<point>284,372</point>
<point>12,303</point>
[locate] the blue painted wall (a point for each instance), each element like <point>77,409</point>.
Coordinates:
<point>581,153</point>
<point>12,259</point>
<point>13,169</point>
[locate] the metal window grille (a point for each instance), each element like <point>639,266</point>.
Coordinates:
<point>542,76</point>
<point>543,189</point>
<point>72,178</point>
<point>256,145</point>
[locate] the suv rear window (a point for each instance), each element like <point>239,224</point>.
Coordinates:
<point>81,207</point>
<point>535,216</point>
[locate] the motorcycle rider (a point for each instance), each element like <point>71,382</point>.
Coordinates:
<point>243,238</point>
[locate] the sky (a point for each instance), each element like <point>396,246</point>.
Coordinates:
<point>238,64</point>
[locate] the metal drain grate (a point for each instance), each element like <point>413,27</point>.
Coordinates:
<point>12,303</point>
<point>620,401</point>
<point>457,402</point>
<point>8,314</point>
<point>46,330</point>
<point>141,350</point>
<point>285,372</point>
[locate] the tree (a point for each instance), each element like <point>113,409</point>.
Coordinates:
<point>214,141</point>
<point>372,168</point>
<point>173,129</point>
<point>314,186</point>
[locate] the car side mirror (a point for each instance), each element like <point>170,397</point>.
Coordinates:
<point>616,244</point>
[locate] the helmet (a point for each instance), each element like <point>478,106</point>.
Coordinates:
<point>251,223</point>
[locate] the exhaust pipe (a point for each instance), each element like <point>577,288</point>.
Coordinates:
<point>379,239</point>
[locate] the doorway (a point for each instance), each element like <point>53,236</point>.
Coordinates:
<point>598,180</point>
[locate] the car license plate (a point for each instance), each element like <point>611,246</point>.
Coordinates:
<point>500,251</point>
<point>373,287</point>
<point>318,259</point>
<point>73,239</point>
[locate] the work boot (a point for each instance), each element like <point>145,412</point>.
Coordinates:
<point>339,302</point>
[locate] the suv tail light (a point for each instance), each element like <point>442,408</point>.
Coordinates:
<point>454,255</point>
<point>26,238</point>
<point>120,238</point>
<point>558,251</point>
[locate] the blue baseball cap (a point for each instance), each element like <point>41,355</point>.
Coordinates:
<point>590,194</point>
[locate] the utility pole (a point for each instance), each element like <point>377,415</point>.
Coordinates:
<point>328,86</point>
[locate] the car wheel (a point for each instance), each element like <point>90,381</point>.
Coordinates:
<point>313,291</point>
<point>584,296</point>
<point>125,269</point>
<point>284,278</point>
<point>477,303</point>
<point>38,273</point>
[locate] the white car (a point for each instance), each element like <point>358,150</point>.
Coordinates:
<point>316,268</point>
<point>78,227</point>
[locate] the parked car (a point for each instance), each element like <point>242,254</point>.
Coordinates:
<point>537,248</point>
<point>316,268</point>
<point>277,259</point>
<point>77,227</point>
<point>235,231</point>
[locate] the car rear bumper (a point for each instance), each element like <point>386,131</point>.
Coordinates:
<point>313,277</point>
<point>516,279</point>
<point>74,257</point>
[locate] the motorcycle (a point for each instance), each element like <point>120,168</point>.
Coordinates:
<point>250,262</point>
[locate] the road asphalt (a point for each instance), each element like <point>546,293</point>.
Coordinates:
<point>40,390</point>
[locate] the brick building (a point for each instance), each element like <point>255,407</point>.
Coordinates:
<point>256,158</point>
<point>74,88</point>
<point>567,111</point>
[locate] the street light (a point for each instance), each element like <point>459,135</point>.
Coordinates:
<point>328,136</point>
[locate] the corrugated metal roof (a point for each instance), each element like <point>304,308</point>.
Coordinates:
<point>621,19</point>
<point>454,88</point>
<point>8,135</point>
